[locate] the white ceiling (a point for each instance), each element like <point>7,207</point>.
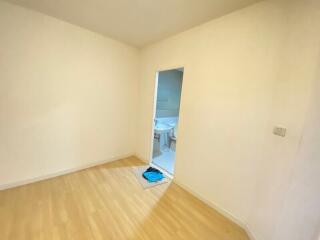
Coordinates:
<point>136,22</point>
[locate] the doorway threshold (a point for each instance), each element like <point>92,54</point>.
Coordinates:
<point>166,173</point>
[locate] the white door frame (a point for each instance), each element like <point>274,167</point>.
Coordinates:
<point>154,110</point>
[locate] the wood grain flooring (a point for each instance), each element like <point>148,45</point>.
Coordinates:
<point>107,202</point>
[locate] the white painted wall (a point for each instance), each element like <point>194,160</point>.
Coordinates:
<point>275,216</point>
<point>68,96</point>
<point>244,73</point>
<point>230,66</point>
<point>300,216</point>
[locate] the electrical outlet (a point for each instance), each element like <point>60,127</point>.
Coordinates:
<point>280,131</point>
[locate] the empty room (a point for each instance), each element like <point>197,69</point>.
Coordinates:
<point>160,120</point>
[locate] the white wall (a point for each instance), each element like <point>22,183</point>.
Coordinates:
<point>244,73</point>
<point>275,216</point>
<point>300,216</point>
<point>67,96</point>
<point>230,66</point>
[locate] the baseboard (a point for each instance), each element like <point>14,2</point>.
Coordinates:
<point>251,235</point>
<point>219,209</point>
<point>63,172</point>
<point>141,158</point>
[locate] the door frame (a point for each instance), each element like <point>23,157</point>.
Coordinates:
<point>154,110</point>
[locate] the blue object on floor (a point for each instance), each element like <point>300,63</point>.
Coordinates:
<point>153,176</point>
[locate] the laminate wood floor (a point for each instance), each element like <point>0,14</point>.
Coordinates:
<point>107,202</point>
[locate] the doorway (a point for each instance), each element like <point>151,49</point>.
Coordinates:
<point>168,89</point>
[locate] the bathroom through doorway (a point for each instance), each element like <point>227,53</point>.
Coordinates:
<point>168,89</point>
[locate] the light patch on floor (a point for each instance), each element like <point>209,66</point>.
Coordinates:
<point>138,171</point>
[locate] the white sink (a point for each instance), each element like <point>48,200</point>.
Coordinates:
<point>160,128</point>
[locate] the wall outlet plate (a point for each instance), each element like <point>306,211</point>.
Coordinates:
<point>279,131</point>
